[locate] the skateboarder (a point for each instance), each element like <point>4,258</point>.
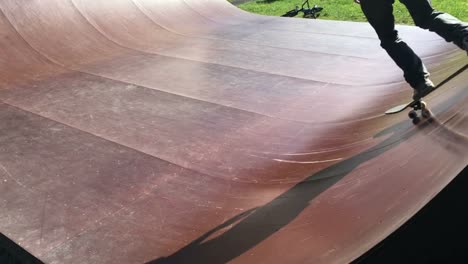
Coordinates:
<point>379,13</point>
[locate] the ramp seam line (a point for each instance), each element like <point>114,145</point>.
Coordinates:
<point>240,41</point>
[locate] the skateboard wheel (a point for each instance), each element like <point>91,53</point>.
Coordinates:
<point>412,114</point>
<point>416,120</point>
<point>426,113</point>
<point>423,105</point>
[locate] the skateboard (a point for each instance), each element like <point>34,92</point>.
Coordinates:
<point>420,105</point>
<point>417,105</point>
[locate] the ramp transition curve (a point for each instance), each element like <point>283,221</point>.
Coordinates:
<point>188,131</point>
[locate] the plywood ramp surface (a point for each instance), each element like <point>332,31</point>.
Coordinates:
<point>188,131</point>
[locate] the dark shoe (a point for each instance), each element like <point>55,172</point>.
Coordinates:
<point>423,89</point>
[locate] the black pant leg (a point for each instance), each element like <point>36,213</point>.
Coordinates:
<point>379,13</point>
<point>445,25</point>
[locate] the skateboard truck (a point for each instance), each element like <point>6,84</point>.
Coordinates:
<point>419,106</point>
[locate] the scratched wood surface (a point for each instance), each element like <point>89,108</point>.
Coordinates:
<point>188,131</point>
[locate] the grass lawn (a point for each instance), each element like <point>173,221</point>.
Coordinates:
<point>347,10</point>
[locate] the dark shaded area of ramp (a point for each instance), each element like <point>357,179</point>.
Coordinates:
<point>436,234</point>
<point>139,131</point>
<point>11,253</point>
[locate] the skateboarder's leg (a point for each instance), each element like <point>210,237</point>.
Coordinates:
<point>445,25</point>
<point>379,13</point>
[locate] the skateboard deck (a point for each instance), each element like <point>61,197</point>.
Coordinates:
<point>419,104</point>
<point>402,107</point>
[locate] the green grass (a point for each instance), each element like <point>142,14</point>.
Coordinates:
<point>347,10</point>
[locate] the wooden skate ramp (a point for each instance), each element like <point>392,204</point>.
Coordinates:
<point>188,131</point>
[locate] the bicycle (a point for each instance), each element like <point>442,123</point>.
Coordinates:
<point>313,12</point>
